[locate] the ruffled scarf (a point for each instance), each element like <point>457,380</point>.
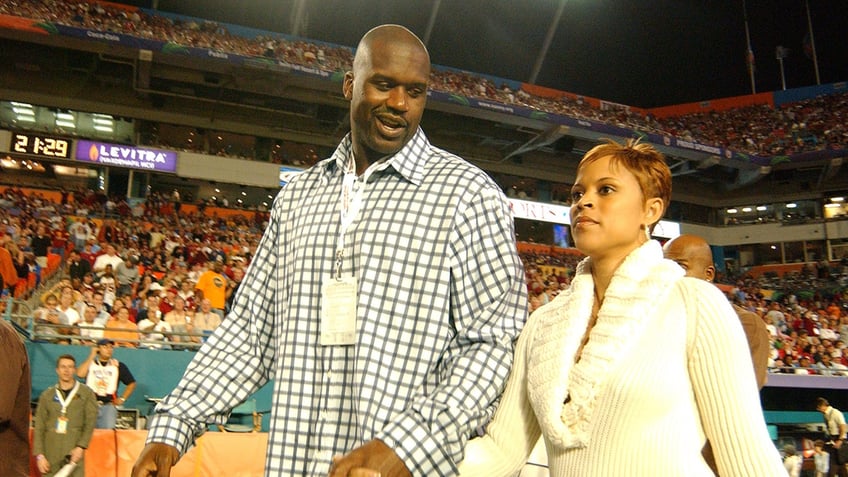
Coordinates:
<point>638,285</point>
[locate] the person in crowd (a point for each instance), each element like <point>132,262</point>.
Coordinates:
<point>633,351</point>
<point>180,321</point>
<point>153,329</point>
<point>826,367</point>
<point>109,258</point>
<point>40,244</point>
<point>79,231</point>
<point>151,307</point>
<point>103,315</point>
<point>166,303</point>
<point>70,315</point>
<point>186,292</point>
<point>14,402</point>
<point>89,254</point>
<point>8,272</point>
<point>120,330</point>
<point>22,261</point>
<point>410,338</point>
<point>205,321</point>
<point>90,331</point>
<point>59,240</point>
<point>792,461</point>
<point>147,281</point>
<point>48,320</point>
<point>127,276</point>
<point>805,367</point>
<point>103,374</point>
<point>821,458</point>
<point>107,285</point>
<point>64,421</point>
<point>214,285</point>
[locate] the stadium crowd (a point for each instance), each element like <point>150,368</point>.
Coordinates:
<point>792,128</point>
<point>144,279</point>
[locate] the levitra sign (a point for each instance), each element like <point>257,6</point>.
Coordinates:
<point>121,155</point>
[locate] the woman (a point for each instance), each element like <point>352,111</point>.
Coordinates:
<point>633,367</point>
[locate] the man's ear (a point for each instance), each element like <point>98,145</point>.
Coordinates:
<point>347,85</point>
<point>709,273</point>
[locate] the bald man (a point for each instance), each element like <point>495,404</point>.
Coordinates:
<point>363,300</point>
<point>694,255</point>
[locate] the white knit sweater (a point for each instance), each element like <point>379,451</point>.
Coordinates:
<point>650,387</point>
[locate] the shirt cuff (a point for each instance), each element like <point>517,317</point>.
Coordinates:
<point>170,430</point>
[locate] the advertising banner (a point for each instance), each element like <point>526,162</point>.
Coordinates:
<point>121,155</point>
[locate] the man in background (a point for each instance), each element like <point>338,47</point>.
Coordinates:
<point>103,374</point>
<point>64,421</point>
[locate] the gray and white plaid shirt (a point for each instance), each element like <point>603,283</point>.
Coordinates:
<point>441,299</point>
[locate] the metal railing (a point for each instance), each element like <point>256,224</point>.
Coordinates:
<point>39,331</point>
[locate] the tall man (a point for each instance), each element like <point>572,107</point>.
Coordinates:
<point>64,421</point>
<point>384,298</point>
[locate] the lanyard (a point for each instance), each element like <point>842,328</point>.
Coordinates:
<point>65,402</point>
<point>350,203</point>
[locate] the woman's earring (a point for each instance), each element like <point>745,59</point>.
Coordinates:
<point>647,231</point>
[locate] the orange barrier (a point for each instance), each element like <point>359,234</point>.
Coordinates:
<point>113,453</point>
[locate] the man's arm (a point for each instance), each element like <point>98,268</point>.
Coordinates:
<point>759,342</point>
<point>235,362</point>
<point>89,420</point>
<point>128,390</point>
<point>82,370</point>
<point>38,444</point>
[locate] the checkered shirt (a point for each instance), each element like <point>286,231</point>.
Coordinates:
<point>441,298</point>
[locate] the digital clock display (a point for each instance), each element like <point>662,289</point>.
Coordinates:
<point>38,145</point>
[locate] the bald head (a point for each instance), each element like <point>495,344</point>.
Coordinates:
<point>693,254</point>
<point>378,38</point>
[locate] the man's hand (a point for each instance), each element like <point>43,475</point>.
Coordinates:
<point>372,459</point>
<point>42,464</point>
<point>76,454</point>
<point>155,460</point>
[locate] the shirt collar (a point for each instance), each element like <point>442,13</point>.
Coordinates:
<point>408,162</point>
